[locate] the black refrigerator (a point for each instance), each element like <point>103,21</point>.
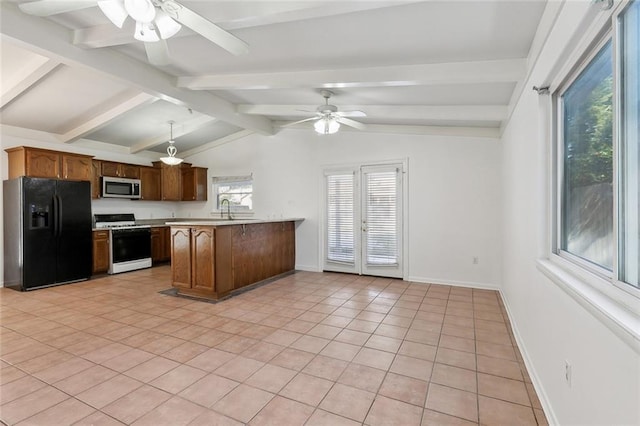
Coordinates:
<point>47,232</point>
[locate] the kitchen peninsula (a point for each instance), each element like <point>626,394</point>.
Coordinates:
<point>210,259</point>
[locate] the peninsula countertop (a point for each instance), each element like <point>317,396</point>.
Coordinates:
<point>226,222</point>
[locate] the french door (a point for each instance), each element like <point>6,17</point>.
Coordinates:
<point>363,220</point>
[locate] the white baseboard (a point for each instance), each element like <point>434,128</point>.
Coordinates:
<point>308,268</point>
<point>482,286</point>
<point>535,379</point>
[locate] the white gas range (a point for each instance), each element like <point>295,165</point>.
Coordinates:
<point>130,243</point>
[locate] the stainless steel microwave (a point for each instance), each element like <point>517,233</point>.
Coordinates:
<point>113,187</point>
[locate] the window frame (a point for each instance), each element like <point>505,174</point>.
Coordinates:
<point>217,181</point>
<point>558,119</point>
<point>574,272</point>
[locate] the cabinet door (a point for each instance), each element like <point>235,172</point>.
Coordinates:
<point>96,173</point>
<point>44,164</point>
<point>130,171</point>
<point>194,184</point>
<point>181,257</point>
<point>160,244</point>
<point>100,251</point>
<point>171,181</point>
<point>150,182</point>
<point>75,167</point>
<point>110,168</point>
<point>202,252</point>
<point>188,184</point>
<point>157,244</point>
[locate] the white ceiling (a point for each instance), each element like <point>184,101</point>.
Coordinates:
<point>411,66</point>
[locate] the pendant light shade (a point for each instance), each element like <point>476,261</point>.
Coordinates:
<point>171,158</point>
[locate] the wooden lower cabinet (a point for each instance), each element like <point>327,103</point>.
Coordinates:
<point>100,252</point>
<point>181,257</point>
<point>193,260</point>
<point>211,261</point>
<point>160,244</point>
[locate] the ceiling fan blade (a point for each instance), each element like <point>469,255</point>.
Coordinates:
<point>299,121</point>
<point>351,114</point>
<point>158,52</point>
<point>351,123</point>
<point>53,7</point>
<point>208,30</point>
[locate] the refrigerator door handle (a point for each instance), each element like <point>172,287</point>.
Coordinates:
<point>59,215</point>
<point>56,214</point>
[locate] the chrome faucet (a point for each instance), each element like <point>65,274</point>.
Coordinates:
<point>228,209</point>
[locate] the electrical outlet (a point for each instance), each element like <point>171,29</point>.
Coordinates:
<point>475,260</point>
<point>567,372</point>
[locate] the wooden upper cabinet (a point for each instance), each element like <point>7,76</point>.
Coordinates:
<point>150,183</point>
<point>76,167</point>
<point>44,163</point>
<point>194,184</point>
<point>170,181</point>
<point>96,173</point>
<point>123,170</point>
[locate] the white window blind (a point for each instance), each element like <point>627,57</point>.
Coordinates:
<point>381,217</point>
<point>340,218</point>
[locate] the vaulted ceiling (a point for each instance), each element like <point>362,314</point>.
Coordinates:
<point>424,67</point>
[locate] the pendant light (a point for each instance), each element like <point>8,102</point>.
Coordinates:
<point>171,159</point>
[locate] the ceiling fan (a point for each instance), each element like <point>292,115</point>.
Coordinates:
<point>328,118</point>
<point>156,21</point>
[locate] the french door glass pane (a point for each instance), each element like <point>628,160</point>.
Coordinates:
<point>340,218</point>
<point>587,196</point>
<point>630,146</point>
<point>381,218</point>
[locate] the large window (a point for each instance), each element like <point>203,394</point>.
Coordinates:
<point>598,156</point>
<point>629,232</point>
<point>587,149</point>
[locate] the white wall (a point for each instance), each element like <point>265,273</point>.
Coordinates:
<point>454,193</point>
<point>550,325</point>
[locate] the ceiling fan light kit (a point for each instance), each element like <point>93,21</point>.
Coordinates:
<point>156,20</point>
<point>326,125</point>
<point>328,119</point>
<point>171,158</point>
<point>152,24</point>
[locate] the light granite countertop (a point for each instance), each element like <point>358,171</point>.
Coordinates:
<point>223,222</point>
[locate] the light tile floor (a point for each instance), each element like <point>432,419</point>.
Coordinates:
<point>310,348</point>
